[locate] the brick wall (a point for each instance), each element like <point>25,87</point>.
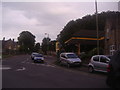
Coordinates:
<point>112,38</point>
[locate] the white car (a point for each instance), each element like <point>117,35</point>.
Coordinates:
<point>36,57</point>
<point>98,63</point>
<point>69,59</point>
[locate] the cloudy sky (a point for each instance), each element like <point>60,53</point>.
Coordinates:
<point>45,17</point>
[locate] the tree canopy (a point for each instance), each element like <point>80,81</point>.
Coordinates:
<point>88,22</point>
<point>45,44</point>
<point>37,47</point>
<point>26,41</point>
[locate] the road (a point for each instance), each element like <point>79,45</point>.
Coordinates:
<point>20,72</point>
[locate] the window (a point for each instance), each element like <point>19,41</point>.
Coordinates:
<point>96,58</point>
<point>72,56</point>
<point>112,49</point>
<point>63,56</point>
<point>104,60</point>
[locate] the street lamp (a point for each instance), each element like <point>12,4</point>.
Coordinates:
<point>97,27</point>
<point>46,35</point>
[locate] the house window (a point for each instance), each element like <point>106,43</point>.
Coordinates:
<point>112,49</point>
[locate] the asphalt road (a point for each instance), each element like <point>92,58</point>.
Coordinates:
<point>20,72</point>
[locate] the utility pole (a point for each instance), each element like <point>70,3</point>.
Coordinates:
<point>97,27</point>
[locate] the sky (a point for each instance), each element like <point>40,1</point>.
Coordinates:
<point>45,17</point>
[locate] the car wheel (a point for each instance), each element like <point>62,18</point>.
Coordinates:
<point>34,61</point>
<point>90,69</point>
<point>80,65</point>
<point>68,65</point>
<point>60,63</point>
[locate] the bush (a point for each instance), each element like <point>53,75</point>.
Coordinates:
<point>85,57</point>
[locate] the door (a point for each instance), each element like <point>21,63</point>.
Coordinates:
<point>96,62</point>
<point>103,63</point>
<point>63,59</point>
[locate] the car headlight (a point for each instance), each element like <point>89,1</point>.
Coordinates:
<point>71,61</point>
<point>42,58</point>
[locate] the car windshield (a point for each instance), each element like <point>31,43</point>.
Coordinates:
<point>72,56</point>
<point>39,55</point>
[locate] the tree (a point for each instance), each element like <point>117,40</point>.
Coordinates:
<point>37,47</point>
<point>26,41</point>
<point>87,22</point>
<point>45,44</point>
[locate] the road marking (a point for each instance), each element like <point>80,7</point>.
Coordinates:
<point>49,65</point>
<point>4,68</point>
<point>25,61</point>
<point>21,69</point>
<point>32,63</point>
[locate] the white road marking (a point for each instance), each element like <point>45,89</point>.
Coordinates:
<point>25,60</point>
<point>32,63</point>
<point>21,69</point>
<point>4,68</point>
<point>50,66</point>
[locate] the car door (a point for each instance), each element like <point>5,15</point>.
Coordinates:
<point>96,62</point>
<point>103,63</point>
<point>63,59</point>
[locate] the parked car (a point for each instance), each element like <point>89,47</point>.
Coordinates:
<point>36,57</point>
<point>113,77</point>
<point>109,56</point>
<point>69,59</point>
<point>33,55</point>
<point>98,63</point>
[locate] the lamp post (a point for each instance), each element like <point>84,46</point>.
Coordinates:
<point>97,27</point>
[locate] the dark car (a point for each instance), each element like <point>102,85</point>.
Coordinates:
<point>113,77</point>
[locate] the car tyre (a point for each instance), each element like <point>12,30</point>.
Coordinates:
<point>91,70</point>
<point>34,61</point>
<point>60,63</point>
<point>68,65</point>
<point>32,58</point>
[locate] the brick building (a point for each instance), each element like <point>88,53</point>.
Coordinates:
<point>112,32</point>
<point>9,46</point>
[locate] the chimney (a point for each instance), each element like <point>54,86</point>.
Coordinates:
<point>3,38</point>
<point>13,40</point>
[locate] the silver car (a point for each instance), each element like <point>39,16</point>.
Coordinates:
<point>36,57</point>
<point>98,63</point>
<point>69,59</point>
<point>33,55</point>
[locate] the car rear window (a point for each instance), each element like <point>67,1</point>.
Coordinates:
<point>72,56</point>
<point>39,55</point>
<point>104,59</point>
<point>96,58</point>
